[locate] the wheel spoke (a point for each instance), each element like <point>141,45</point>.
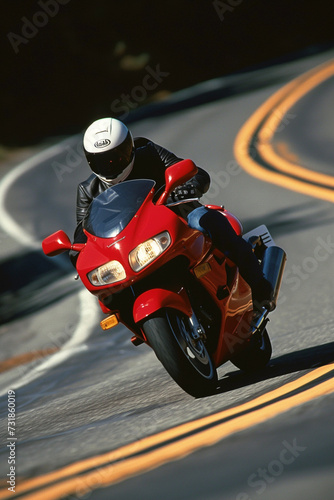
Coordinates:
<point>194,350</point>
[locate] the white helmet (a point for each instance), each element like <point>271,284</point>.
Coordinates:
<point>109,149</point>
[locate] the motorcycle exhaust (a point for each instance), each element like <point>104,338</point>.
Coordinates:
<point>273,263</point>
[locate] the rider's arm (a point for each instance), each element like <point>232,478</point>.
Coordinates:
<point>201,180</point>
<point>83,202</point>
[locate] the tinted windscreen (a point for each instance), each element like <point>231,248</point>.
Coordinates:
<point>112,210</point>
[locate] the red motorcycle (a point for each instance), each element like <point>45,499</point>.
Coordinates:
<point>167,283</point>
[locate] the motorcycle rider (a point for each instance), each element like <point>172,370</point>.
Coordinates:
<point>114,156</point>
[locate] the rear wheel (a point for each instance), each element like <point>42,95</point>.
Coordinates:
<point>186,359</point>
<point>256,354</point>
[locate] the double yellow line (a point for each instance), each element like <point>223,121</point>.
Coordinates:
<point>258,132</point>
<point>148,453</point>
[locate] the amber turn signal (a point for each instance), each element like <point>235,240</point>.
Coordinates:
<point>109,322</point>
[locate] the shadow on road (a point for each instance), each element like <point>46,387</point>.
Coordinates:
<point>293,362</point>
<point>291,220</point>
<point>30,281</point>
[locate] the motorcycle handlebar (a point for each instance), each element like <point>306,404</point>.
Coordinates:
<point>175,203</point>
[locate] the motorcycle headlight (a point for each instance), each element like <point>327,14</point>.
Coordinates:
<point>109,273</point>
<point>147,252</point>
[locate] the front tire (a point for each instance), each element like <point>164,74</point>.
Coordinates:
<point>186,360</point>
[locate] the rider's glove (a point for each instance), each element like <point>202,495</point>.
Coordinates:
<point>186,191</point>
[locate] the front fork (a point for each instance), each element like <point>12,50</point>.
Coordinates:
<point>197,331</point>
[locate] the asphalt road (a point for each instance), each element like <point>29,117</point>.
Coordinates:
<point>87,392</point>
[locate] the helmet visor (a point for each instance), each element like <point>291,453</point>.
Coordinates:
<point>110,164</point>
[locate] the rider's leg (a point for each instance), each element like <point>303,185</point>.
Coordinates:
<point>235,248</point>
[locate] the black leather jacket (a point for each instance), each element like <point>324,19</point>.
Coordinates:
<point>150,162</point>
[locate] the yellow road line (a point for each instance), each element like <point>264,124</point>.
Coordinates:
<point>263,124</point>
<point>129,465</point>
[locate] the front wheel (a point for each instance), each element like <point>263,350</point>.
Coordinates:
<point>185,359</point>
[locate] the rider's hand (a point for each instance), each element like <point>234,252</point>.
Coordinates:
<point>185,192</point>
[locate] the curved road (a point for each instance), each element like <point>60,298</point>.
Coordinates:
<point>85,394</point>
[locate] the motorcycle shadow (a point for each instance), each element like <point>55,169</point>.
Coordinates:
<point>293,362</point>
<point>30,282</point>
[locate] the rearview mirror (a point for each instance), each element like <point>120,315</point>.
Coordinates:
<point>56,244</point>
<point>175,175</point>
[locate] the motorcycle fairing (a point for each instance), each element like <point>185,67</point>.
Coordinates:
<point>237,303</point>
<point>153,300</point>
<point>146,223</point>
